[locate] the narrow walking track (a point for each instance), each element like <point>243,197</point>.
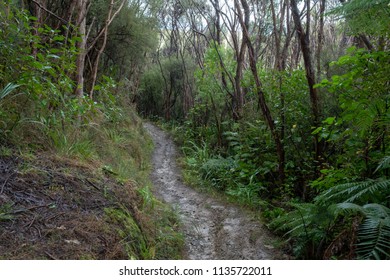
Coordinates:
<point>212,229</point>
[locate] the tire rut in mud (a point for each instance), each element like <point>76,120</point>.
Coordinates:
<point>212,229</point>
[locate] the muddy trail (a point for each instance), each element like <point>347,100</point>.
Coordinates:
<point>213,229</point>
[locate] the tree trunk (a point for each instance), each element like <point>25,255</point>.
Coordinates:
<point>81,9</point>
<point>277,36</point>
<point>304,41</point>
<point>39,7</point>
<point>320,38</point>
<point>110,18</point>
<point>263,104</point>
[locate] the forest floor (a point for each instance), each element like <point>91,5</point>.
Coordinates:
<point>213,228</point>
<point>54,208</point>
<point>58,205</point>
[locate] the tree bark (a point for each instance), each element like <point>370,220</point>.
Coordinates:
<point>320,38</point>
<point>238,101</point>
<point>304,41</point>
<point>277,36</point>
<point>81,9</point>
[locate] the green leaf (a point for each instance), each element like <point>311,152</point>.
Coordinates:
<point>317,130</point>
<point>7,90</point>
<point>330,120</point>
<point>58,38</point>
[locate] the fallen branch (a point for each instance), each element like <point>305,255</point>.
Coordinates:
<point>29,209</point>
<point>93,185</point>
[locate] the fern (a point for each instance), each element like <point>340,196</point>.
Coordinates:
<point>356,210</point>
<point>296,221</point>
<point>306,226</point>
<point>384,164</point>
<point>374,232</point>
<point>359,192</point>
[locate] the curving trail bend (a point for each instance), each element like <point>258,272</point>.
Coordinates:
<point>212,229</point>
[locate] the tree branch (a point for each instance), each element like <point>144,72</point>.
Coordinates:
<point>50,12</point>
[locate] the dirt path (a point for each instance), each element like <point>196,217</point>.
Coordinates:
<point>212,229</point>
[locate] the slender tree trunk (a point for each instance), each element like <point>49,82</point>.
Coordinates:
<point>263,104</point>
<point>218,39</point>
<point>81,8</point>
<point>39,7</point>
<point>304,41</point>
<point>320,38</point>
<point>238,99</point>
<point>187,94</point>
<point>276,36</point>
<point>110,18</point>
<point>280,65</point>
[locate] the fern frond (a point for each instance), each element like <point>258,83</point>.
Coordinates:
<point>374,233</point>
<point>302,221</point>
<point>355,192</point>
<point>349,208</point>
<point>384,164</point>
<point>374,240</point>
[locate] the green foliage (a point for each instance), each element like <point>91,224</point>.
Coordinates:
<point>133,239</point>
<point>168,241</point>
<point>36,65</point>
<point>357,192</point>
<point>366,16</point>
<point>217,171</point>
<point>6,212</point>
<point>374,232</point>
<point>316,230</point>
<point>151,93</point>
<point>236,176</point>
<point>132,35</point>
<point>359,133</point>
<point>354,135</point>
<point>306,226</point>
<point>162,89</point>
<point>40,112</point>
<point>196,155</point>
<point>384,164</point>
<point>208,79</point>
